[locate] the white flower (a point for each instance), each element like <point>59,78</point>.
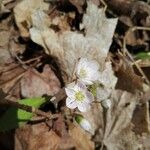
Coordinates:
<point>78,96</point>
<point>87,71</point>
<point>85,124</point>
<point>106,103</point>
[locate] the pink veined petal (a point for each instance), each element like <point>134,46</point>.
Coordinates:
<point>86,81</point>
<point>70,103</point>
<point>89,97</point>
<point>70,92</point>
<point>80,86</point>
<point>83,106</point>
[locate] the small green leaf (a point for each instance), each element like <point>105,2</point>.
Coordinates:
<point>92,88</point>
<point>143,55</point>
<point>15,117</point>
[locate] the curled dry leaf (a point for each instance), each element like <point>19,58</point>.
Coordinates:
<point>118,122</point>
<point>107,77</point>
<point>127,79</point>
<point>49,83</point>
<point>69,46</point>
<point>42,35</point>
<point>96,42</point>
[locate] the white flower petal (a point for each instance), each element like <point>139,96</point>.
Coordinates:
<point>71,103</point>
<point>87,71</point>
<point>80,86</point>
<point>93,64</point>
<point>93,75</point>
<point>83,106</point>
<point>70,92</point>
<point>89,97</point>
<point>86,81</point>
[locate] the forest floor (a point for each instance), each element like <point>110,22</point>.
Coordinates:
<point>43,44</point>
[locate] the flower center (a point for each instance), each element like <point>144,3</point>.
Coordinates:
<point>79,96</point>
<point>83,73</point>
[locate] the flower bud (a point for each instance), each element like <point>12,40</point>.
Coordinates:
<point>85,124</point>
<point>106,103</point>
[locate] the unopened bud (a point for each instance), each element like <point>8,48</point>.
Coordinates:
<point>85,124</point>
<point>106,103</point>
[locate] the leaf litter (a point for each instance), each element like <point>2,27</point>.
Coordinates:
<point>61,42</point>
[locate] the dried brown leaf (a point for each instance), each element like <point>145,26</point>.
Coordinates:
<point>36,136</point>
<point>140,119</point>
<point>9,79</point>
<point>127,79</point>
<point>81,138</point>
<point>49,83</point>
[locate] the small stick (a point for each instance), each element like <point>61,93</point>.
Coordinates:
<point>125,51</point>
<point>28,109</point>
<point>104,3</point>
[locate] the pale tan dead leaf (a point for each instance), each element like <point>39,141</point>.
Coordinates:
<point>23,12</point>
<point>42,35</point>
<point>118,121</point>
<point>103,93</point>
<point>95,117</point>
<point>107,77</point>
<point>49,83</point>
<point>96,42</point>
<point>69,46</point>
<point>3,9</point>
<point>114,127</point>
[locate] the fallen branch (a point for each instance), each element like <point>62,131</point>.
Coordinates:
<point>28,109</point>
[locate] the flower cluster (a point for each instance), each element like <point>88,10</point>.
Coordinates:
<point>90,84</point>
<point>87,72</point>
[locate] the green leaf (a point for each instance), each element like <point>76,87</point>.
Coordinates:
<point>15,117</point>
<point>143,55</point>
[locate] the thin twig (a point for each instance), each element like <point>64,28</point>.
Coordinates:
<point>29,109</point>
<point>104,3</point>
<point>125,51</point>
